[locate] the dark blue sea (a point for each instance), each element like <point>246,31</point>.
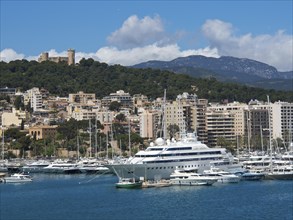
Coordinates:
<point>90,197</point>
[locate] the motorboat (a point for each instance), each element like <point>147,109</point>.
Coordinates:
<point>35,166</point>
<point>221,175</point>
<point>190,178</point>
<point>280,173</point>
<point>162,157</point>
<point>60,167</point>
<point>253,174</point>
<point>128,183</point>
<point>92,167</point>
<point>18,178</point>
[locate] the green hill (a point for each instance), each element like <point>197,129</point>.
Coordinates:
<point>102,79</point>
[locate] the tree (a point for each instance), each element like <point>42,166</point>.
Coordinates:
<point>114,106</point>
<point>120,117</point>
<point>173,129</point>
<point>18,103</point>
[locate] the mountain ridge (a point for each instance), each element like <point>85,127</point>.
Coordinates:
<point>226,68</point>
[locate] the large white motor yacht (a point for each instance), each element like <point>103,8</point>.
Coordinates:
<point>161,158</point>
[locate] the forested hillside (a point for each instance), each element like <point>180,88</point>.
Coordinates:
<point>102,79</point>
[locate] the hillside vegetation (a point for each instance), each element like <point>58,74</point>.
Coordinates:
<point>100,78</point>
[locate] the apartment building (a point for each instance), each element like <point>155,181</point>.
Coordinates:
<point>282,121</point>
<point>34,97</point>
<point>82,98</point>
<point>220,124</point>
<point>13,118</point>
<point>149,123</point>
<point>120,96</point>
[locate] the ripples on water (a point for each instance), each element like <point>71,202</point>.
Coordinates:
<point>80,197</point>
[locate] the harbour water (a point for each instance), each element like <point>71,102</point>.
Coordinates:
<point>81,197</point>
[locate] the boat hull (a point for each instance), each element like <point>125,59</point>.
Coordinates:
<point>279,176</point>
<point>192,182</point>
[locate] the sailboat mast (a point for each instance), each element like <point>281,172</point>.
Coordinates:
<point>77,142</point>
<point>164,116</point>
<point>90,130</point>
<point>261,139</point>
<point>2,152</point>
<point>96,137</point>
<point>270,133</point>
<point>129,142</point>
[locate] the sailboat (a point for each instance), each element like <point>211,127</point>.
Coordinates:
<point>128,183</point>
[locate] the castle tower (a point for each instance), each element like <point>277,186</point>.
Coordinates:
<point>71,56</point>
<point>44,57</point>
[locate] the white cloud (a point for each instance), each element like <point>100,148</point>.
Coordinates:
<point>137,55</point>
<point>137,32</point>
<point>275,50</point>
<point>8,54</point>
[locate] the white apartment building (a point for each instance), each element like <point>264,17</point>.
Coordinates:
<point>33,96</point>
<point>105,117</point>
<point>120,96</point>
<point>282,121</point>
<point>82,114</point>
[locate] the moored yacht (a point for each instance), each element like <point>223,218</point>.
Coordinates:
<point>221,175</point>
<point>17,178</point>
<point>35,167</point>
<point>92,166</point>
<point>190,178</point>
<point>62,168</point>
<point>161,158</point>
<point>280,173</point>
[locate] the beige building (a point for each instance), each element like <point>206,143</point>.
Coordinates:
<point>238,111</point>
<point>82,98</point>
<point>200,120</point>
<point>220,124</point>
<point>43,131</point>
<point>148,123</point>
<point>13,118</point>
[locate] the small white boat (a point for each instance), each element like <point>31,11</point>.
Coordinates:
<point>18,178</point>
<point>221,175</point>
<point>190,178</point>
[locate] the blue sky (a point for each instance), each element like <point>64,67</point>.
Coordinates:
<point>130,32</point>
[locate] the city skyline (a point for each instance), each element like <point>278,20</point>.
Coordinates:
<point>128,32</point>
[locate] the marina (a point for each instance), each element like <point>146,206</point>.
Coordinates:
<point>81,196</point>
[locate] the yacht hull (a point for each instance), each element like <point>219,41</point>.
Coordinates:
<point>156,171</point>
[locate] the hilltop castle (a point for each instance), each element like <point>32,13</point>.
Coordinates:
<point>70,59</point>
